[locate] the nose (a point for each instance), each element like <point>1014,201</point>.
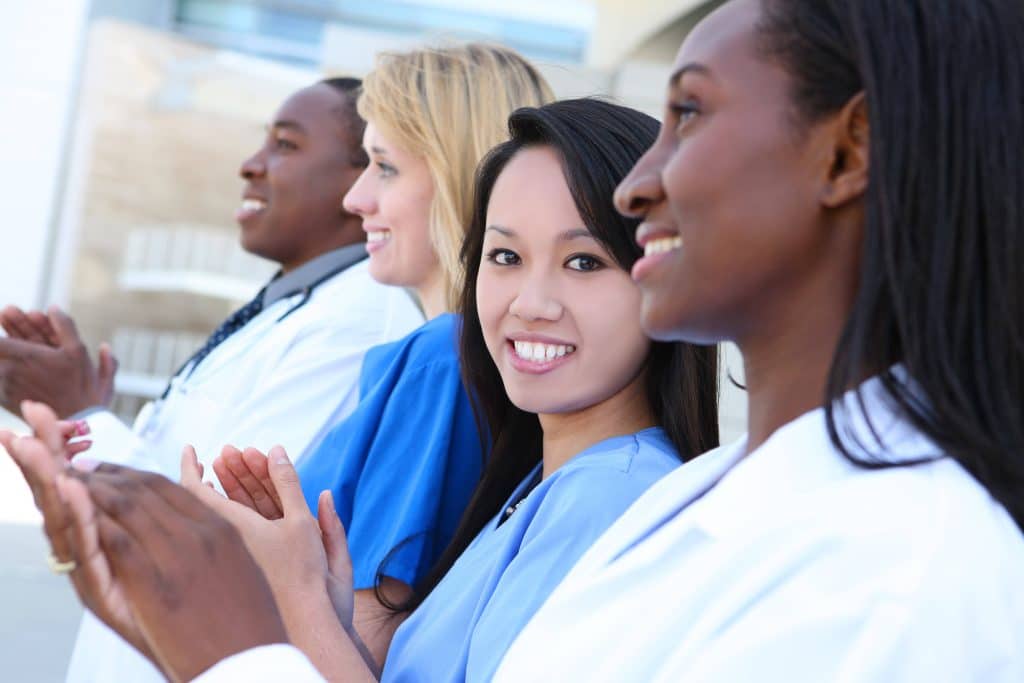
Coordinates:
<point>361,198</point>
<point>641,189</point>
<point>253,167</point>
<point>536,300</point>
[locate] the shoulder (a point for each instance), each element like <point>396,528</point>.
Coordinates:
<point>600,483</point>
<point>432,346</point>
<point>647,454</point>
<point>928,538</point>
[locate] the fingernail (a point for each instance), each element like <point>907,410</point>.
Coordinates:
<point>85,464</point>
<point>82,428</point>
<point>278,456</point>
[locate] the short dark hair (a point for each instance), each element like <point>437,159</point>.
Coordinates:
<point>353,122</point>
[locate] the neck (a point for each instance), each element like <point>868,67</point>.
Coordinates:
<point>568,434</point>
<point>349,232</point>
<point>433,296</point>
<point>788,358</point>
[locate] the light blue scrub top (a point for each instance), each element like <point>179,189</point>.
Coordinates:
<point>463,628</point>
<point>403,465</point>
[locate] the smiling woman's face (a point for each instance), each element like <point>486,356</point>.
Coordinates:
<point>393,196</point>
<point>728,193</point>
<point>560,318</point>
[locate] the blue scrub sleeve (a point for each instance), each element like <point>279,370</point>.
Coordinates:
<point>397,498</point>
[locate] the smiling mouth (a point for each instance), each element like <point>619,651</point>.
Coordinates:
<point>537,352</point>
<point>249,207</point>
<point>662,245</point>
<point>374,236</point>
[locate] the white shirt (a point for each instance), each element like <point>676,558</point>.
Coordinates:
<point>269,383</point>
<point>789,564</point>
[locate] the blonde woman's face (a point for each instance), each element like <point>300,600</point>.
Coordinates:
<point>393,197</point>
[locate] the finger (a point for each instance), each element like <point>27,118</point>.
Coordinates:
<point>335,542</point>
<point>17,325</point>
<point>259,466</point>
<point>77,447</point>
<point>92,578</point>
<point>69,429</point>
<point>286,481</point>
<point>44,423</point>
<point>107,367</point>
<point>43,328</point>
<point>232,487</point>
<point>41,471</point>
<point>122,492</point>
<point>7,437</point>
<point>265,505</point>
<point>191,470</point>
<point>64,328</point>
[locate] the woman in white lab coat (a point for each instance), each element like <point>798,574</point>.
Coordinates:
<point>837,188</point>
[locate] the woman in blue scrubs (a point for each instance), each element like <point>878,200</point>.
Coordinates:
<point>585,412</point>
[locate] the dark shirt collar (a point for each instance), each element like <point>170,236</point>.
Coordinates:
<point>312,272</point>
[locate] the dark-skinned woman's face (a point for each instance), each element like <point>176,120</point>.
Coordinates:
<point>728,193</point>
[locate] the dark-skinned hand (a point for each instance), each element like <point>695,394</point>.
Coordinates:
<point>48,363</point>
<point>195,592</point>
<point>43,461</point>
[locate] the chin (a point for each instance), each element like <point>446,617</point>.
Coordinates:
<point>657,318</point>
<point>663,319</point>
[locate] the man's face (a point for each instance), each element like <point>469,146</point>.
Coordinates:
<point>291,205</point>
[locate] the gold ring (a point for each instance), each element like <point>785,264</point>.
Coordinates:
<point>58,567</point>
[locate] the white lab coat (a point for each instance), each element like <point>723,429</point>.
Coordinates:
<point>787,564</point>
<point>270,383</point>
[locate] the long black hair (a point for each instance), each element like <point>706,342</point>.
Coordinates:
<point>942,275</point>
<point>598,142</point>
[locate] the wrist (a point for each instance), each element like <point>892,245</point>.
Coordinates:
<point>302,606</point>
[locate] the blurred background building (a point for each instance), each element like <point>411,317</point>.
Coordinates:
<point>125,123</point>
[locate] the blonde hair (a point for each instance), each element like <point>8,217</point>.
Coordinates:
<point>450,105</point>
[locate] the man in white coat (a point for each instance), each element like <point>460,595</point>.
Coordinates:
<point>283,369</point>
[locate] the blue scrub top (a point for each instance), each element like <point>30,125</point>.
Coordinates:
<point>463,628</point>
<point>403,465</point>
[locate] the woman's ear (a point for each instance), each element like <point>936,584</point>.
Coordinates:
<point>848,172</point>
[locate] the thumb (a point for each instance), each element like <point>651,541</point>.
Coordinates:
<point>339,563</point>
<point>286,481</point>
<point>107,367</point>
<point>64,327</point>
<point>191,470</point>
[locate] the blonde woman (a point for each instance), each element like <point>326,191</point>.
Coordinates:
<point>401,469</point>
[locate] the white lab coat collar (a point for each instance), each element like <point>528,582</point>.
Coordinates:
<point>796,458</point>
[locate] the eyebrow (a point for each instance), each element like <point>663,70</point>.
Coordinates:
<point>567,236</point>
<point>378,150</point>
<point>291,125</point>
<point>692,67</point>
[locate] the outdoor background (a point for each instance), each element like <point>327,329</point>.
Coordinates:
<point>125,122</point>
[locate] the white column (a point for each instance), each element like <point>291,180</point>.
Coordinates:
<point>40,53</point>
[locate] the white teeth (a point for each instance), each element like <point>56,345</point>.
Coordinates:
<point>539,353</point>
<point>663,245</point>
<point>253,204</point>
<point>378,235</point>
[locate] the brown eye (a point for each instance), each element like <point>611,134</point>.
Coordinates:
<point>584,263</point>
<point>504,257</point>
